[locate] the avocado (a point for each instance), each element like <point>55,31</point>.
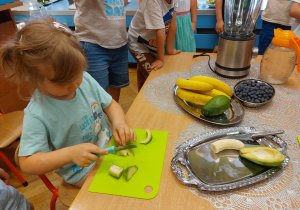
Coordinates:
<point>216,106</point>
<point>262,155</point>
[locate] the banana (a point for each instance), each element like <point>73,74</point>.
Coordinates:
<point>223,144</point>
<point>195,98</point>
<point>213,93</point>
<point>217,84</point>
<point>193,85</point>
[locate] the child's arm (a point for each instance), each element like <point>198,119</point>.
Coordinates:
<point>194,14</point>
<point>121,131</point>
<point>171,37</point>
<point>160,42</point>
<point>295,10</point>
<point>220,22</point>
<point>42,163</point>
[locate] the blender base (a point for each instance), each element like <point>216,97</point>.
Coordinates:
<point>231,72</point>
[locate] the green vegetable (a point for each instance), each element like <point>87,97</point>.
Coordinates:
<point>125,152</point>
<point>129,172</point>
<point>115,171</point>
<point>216,106</point>
<point>149,137</point>
<point>262,155</point>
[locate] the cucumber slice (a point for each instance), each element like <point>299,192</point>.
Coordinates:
<point>115,171</point>
<point>129,172</point>
<point>149,137</point>
<point>125,152</point>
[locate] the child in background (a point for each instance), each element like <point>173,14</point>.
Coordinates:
<point>295,13</point>
<point>275,15</point>
<point>101,29</point>
<point>220,21</point>
<point>64,124</point>
<point>153,21</point>
<point>220,16</point>
<point>10,198</point>
<point>186,18</point>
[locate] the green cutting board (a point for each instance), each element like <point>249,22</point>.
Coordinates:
<point>148,158</point>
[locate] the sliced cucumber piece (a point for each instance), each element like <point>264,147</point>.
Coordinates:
<point>149,137</point>
<point>129,172</point>
<point>125,152</point>
<point>115,171</point>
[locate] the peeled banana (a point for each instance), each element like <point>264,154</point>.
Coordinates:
<point>192,97</point>
<point>223,144</point>
<point>217,84</point>
<point>193,85</point>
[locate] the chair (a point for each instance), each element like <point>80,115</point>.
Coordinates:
<point>10,130</point>
<point>65,192</point>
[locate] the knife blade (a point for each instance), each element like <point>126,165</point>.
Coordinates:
<point>113,149</point>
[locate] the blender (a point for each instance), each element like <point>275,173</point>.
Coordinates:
<point>237,41</point>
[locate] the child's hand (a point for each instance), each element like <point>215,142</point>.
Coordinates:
<point>173,52</point>
<point>82,154</point>
<point>156,65</point>
<point>220,26</point>
<point>123,134</point>
<point>4,176</point>
<point>194,27</point>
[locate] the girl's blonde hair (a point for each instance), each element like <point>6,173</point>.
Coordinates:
<point>42,41</point>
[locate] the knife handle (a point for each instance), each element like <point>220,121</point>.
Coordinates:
<point>111,150</point>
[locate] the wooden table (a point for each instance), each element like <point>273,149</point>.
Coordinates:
<point>141,115</point>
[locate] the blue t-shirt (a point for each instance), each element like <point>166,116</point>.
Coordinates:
<point>51,124</point>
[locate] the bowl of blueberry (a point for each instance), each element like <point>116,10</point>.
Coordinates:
<point>253,92</point>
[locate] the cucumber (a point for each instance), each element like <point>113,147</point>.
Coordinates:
<point>216,106</point>
<point>149,137</point>
<point>115,171</point>
<point>125,152</point>
<point>129,172</point>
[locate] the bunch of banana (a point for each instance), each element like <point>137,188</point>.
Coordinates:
<point>200,89</point>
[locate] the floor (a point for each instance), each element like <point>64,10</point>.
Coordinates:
<point>36,192</point>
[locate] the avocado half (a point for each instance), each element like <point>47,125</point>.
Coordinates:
<point>262,155</point>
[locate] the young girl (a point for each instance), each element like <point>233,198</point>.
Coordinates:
<point>147,33</point>
<point>186,18</point>
<point>64,124</point>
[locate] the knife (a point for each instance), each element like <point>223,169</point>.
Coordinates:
<point>248,137</point>
<point>113,149</point>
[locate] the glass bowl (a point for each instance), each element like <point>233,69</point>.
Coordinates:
<point>253,92</point>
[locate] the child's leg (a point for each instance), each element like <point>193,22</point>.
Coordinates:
<point>144,61</point>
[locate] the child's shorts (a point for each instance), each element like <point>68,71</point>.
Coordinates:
<point>109,67</point>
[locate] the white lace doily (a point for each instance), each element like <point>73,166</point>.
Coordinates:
<point>282,191</point>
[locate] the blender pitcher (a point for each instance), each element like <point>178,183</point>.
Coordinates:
<point>279,60</point>
<point>237,41</point>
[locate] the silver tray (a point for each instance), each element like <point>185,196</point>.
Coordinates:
<point>195,163</point>
<point>233,115</point>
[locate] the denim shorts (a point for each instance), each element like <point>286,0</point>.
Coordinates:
<point>109,67</point>
<point>267,34</point>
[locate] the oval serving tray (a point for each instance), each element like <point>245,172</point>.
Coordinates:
<point>233,115</point>
<point>195,163</point>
